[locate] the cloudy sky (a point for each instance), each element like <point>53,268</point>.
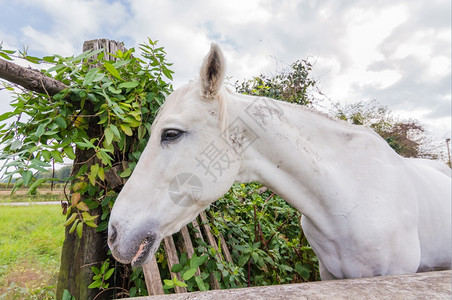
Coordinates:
<point>395,51</point>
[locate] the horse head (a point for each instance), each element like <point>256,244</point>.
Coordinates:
<point>172,182</point>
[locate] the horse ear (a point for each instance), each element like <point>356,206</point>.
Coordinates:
<point>212,72</point>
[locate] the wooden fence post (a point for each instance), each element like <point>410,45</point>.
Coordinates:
<point>80,254</point>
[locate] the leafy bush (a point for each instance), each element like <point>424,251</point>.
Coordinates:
<point>265,235</point>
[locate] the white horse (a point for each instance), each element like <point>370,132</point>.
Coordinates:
<point>366,210</point>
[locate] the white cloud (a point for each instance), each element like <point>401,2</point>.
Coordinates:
<point>397,52</point>
<point>47,43</point>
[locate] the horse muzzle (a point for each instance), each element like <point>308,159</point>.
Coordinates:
<point>133,246</point>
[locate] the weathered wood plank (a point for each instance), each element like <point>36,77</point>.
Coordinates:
<point>188,245</point>
<point>431,285</point>
<point>224,249</point>
<point>110,47</point>
<point>152,277</point>
<point>198,233</point>
<point>214,284</point>
<point>224,246</point>
<point>210,238</point>
<point>171,255</point>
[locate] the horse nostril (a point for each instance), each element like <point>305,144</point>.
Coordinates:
<point>112,234</point>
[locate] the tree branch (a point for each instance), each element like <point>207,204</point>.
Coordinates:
<point>30,79</point>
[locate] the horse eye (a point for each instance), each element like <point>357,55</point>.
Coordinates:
<point>169,135</point>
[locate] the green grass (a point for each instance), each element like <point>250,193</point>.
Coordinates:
<point>31,239</point>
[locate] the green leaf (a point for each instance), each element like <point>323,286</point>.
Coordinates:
<point>102,226</point>
<point>302,270</point>
<point>67,295</point>
<point>32,59</point>
<point>193,261</point>
<point>8,51</point>
<point>6,115</point>
<point>38,162</point>
<point>109,273</point>
<point>99,77</point>
<point>189,274</point>
<point>176,268</point>
<point>79,229</point>
<point>16,144</point>
<point>109,135</point>
<point>35,185</point>
<point>60,122</point>
<point>89,77</point>
<point>57,156</point>
<point>169,283</point>
<point>95,270</point>
<point>82,206</point>
<point>132,291</point>
<point>241,248</point>
<point>79,186</point>
<point>49,59</point>
<point>115,130</point>
<point>27,176</point>
<point>180,283</point>
<point>200,283</point>
<point>91,224</point>
<point>167,73</point>
<point>40,131</point>
<point>5,56</point>
<point>102,155</point>
<point>56,68</point>
<point>126,173</point>
<point>202,259</point>
<point>126,129</point>
<point>70,219</point>
<point>114,90</point>
<point>112,70</point>
<point>69,151</point>
<point>129,85</point>
<point>74,226</point>
<point>94,169</point>
<point>101,173</point>
<point>243,259</point>
<point>255,256</point>
<point>104,266</point>
<point>141,132</point>
<point>88,217</point>
<point>95,284</point>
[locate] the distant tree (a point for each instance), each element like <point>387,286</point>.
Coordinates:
<point>408,138</point>
<point>294,85</point>
<point>62,174</point>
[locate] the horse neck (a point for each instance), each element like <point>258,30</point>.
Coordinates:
<point>286,149</point>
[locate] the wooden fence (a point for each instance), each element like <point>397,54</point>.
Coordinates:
<point>151,270</point>
<point>430,285</point>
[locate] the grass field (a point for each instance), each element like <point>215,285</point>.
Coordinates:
<point>31,238</point>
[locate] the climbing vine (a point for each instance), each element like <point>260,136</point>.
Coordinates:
<point>106,111</point>
<point>122,97</point>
